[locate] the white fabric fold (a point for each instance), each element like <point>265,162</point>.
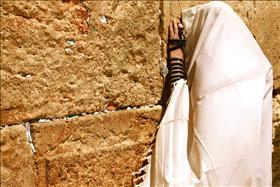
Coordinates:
<point>218,133</point>
<point>169,164</point>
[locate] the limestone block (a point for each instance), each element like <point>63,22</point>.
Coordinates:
<point>92,132</point>
<point>17,163</point>
<point>261,17</point>
<point>93,150</point>
<point>102,168</point>
<point>266,27</point>
<point>276,155</point>
<point>276,141</point>
<point>67,57</point>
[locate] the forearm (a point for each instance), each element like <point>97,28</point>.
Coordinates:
<point>176,43</point>
<point>177,70</point>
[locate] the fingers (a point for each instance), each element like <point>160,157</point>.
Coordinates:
<point>181,30</point>
<point>180,26</point>
<point>171,30</point>
<point>175,28</point>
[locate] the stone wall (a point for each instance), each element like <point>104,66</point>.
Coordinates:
<point>63,58</point>
<point>276,141</point>
<point>87,76</point>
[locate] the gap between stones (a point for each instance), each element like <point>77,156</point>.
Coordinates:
<point>73,116</point>
<point>27,125</point>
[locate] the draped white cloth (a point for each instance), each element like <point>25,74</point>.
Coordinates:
<point>218,131</point>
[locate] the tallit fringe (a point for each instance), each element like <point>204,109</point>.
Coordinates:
<point>139,176</point>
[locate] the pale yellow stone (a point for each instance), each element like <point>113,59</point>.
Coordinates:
<point>59,59</point>
<point>94,150</point>
<point>17,161</point>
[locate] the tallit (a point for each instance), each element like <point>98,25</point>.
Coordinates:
<point>217,132</point>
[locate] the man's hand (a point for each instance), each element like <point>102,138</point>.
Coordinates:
<point>174,34</point>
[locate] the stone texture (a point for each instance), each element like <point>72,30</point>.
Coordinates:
<point>67,57</point>
<point>276,141</point>
<point>102,168</point>
<point>261,17</point>
<point>92,132</point>
<point>94,150</point>
<point>17,162</point>
<point>266,27</point>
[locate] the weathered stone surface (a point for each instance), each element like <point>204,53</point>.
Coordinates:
<point>111,167</point>
<point>266,27</point>
<point>261,17</point>
<point>94,150</point>
<point>17,163</point>
<point>276,155</point>
<point>78,56</point>
<point>276,141</point>
<point>92,132</point>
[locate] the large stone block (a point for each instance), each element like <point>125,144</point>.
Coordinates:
<point>261,17</point>
<point>266,28</point>
<point>276,155</point>
<point>93,150</point>
<point>92,132</point>
<point>276,141</point>
<point>68,57</point>
<point>102,168</point>
<point>17,162</point>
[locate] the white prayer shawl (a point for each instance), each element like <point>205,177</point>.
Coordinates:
<point>218,132</point>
